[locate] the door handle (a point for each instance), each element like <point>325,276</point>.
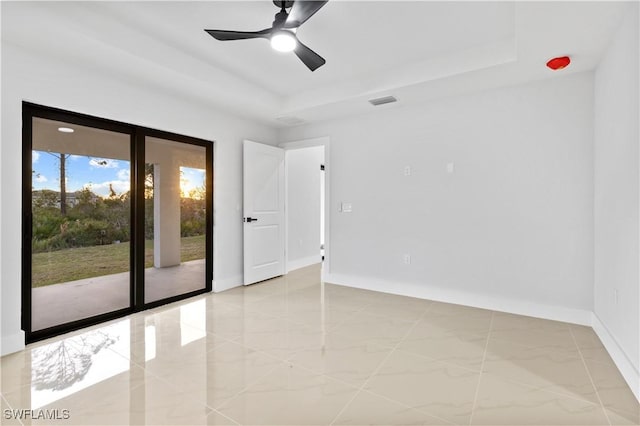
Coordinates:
<point>250,219</point>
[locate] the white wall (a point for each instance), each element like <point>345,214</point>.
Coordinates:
<point>303,206</point>
<point>617,198</point>
<point>43,79</point>
<point>510,229</point>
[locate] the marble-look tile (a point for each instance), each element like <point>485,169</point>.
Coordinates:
<point>595,354</point>
<point>622,418</point>
<point>463,349</point>
<point>294,350</point>
<point>67,367</point>
<point>531,332</point>
<point>384,331</point>
<point>69,355</point>
<point>15,371</point>
<point>438,324</point>
<point>81,397</point>
<point>281,306</point>
<point>303,278</point>
<point>536,337</point>
<point>371,409</point>
<point>240,296</point>
<point>451,309</point>
<point>320,317</point>
<point>344,358</point>
<point>555,369</point>
<point>230,322</point>
<point>348,297</point>
<point>174,343</point>
<point>585,337</point>
<point>9,417</point>
<point>218,375</point>
<point>218,419</point>
<point>398,307</point>
<point>501,402</point>
<point>158,402</point>
<point>279,337</point>
<point>612,388</point>
<point>171,352</point>
<point>290,396</point>
<point>442,390</point>
<point>350,293</point>
<point>302,308</point>
<point>506,321</point>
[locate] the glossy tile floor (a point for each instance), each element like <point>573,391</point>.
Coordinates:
<point>295,351</point>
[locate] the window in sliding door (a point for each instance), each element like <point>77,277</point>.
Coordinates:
<point>80,222</point>
<point>175,218</point>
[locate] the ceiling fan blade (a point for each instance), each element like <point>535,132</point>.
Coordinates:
<point>224,35</point>
<point>310,58</point>
<point>301,11</point>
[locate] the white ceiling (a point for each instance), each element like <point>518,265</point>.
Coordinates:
<point>415,50</point>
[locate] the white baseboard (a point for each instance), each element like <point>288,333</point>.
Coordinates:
<point>227,283</point>
<point>292,265</point>
<point>627,369</point>
<point>12,343</point>
<point>422,291</point>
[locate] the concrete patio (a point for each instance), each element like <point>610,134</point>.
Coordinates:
<point>61,303</point>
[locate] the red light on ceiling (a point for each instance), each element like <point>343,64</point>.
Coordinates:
<point>559,63</point>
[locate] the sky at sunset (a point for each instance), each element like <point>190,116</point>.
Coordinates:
<point>96,173</point>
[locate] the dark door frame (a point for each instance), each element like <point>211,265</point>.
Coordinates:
<point>136,283</point>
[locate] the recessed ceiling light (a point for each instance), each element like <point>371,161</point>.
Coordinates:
<point>65,130</point>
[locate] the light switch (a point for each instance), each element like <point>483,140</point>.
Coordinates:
<point>450,167</point>
<point>346,208</point>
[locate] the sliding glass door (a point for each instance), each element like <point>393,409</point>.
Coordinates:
<point>175,218</point>
<point>116,218</point>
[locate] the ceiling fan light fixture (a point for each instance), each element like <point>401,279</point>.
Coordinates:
<point>283,41</point>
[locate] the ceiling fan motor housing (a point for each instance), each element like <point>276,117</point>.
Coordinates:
<point>280,3</point>
<point>280,19</point>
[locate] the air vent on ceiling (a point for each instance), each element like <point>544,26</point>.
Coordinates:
<point>290,121</point>
<point>383,100</point>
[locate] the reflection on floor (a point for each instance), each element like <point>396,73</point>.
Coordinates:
<point>296,351</point>
<point>60,303</point>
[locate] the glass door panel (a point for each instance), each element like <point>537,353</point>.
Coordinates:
<point>81,222</point>
<point>175,221</point>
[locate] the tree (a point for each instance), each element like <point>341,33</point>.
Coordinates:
<point>62,158</point>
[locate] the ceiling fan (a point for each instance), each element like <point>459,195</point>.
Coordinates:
<point>283,30</point>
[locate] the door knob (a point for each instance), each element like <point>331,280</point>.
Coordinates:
<point>250,219</point>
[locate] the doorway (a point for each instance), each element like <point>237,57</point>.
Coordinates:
<point>117,218</point>
<point>307,216</point>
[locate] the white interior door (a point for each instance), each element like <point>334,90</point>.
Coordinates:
<point>264,229</point>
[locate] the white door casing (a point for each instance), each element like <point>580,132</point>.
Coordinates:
<point>264,203</point>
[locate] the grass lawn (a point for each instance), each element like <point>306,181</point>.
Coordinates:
<point>85,262</point>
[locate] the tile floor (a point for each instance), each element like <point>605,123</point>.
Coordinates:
<point>295,351</point>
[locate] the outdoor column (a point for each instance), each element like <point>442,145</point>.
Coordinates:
<point>166,214</point>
